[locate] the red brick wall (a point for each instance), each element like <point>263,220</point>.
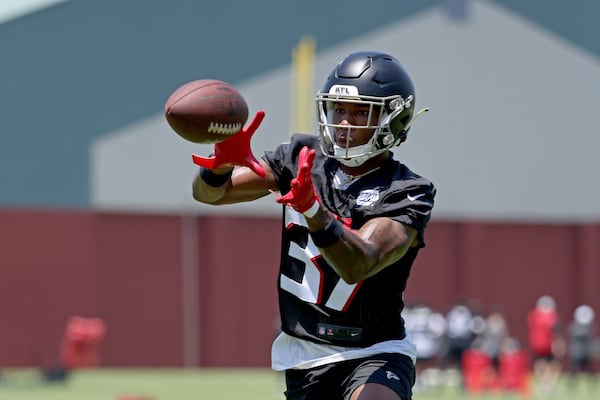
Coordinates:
<point>129,270</point>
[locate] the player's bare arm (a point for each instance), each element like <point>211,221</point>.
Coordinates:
<point>231,174</point>
<point>243,185</point>
<point>355,255</point>
<point>360,254</point>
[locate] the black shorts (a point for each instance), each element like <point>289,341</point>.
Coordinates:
<point>337,381</point>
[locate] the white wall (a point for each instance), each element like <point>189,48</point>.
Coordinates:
<point>511,133</point>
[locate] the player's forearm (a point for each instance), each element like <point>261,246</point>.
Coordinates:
<point>350,256</point>
<point>211,186</point>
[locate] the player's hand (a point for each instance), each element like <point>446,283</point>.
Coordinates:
<point>302,195</point>
<point>236,150</point>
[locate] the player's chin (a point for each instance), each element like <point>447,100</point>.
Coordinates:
<point>343,141</point>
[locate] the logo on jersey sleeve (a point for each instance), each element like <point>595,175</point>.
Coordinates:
<point>415,197</point>
<point>367,197</point>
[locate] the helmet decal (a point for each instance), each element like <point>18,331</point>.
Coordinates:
<point>344,90</point>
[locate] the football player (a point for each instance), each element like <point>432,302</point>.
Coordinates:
<point>354,222</point>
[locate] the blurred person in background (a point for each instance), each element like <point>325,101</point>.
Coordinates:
<point>426,327</point>
<point>581,336</point>
<point>546,342</point>
<point>481,362</point>
<point>463,325</point>
<point>495,333</point>
<point>514,371</point>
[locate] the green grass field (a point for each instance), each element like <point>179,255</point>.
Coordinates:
<point>214,384</point>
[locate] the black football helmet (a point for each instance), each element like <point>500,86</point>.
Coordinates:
<point>378,80</point>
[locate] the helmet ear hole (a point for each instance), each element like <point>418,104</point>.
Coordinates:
<point>385,141</point>
<point>398,125</point>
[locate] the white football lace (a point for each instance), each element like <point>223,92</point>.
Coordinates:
<point>224,128</point>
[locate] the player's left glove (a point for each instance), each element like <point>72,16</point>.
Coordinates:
<point>236,150</point>
<point>302,196</point>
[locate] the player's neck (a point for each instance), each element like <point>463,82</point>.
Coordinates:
<point>370,165</point>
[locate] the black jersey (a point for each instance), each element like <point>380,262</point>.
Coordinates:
<point>315,303</point>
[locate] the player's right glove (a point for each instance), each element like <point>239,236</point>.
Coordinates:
<point>236,150</point>
<point>302,196</point>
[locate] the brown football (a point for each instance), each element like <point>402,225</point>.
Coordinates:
<point>206,111</point>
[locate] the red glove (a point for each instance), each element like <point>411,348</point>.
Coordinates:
<point>236,150</point>
<point>302,196</point>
